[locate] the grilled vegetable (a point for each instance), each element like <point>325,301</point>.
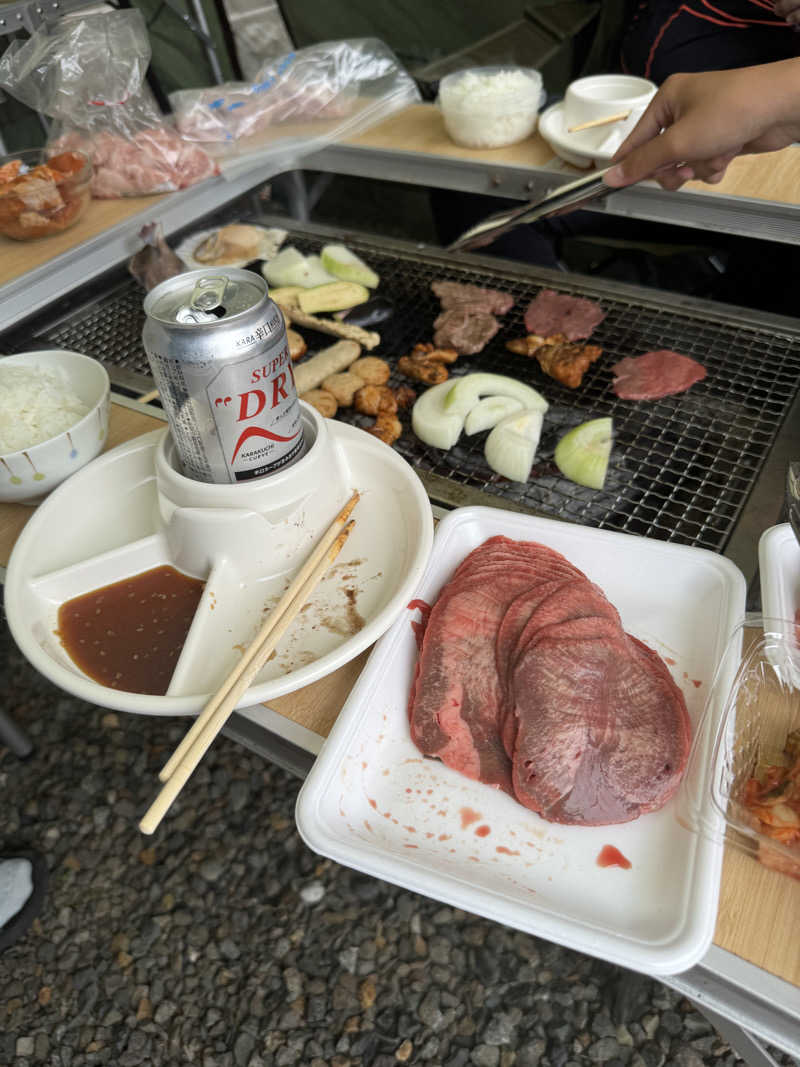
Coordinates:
<point>371,313</point>
<point>466,392</point>
<point>511,446</point>
<point>333,296</point>
<point>286,294</point>
<point>432,422</point>
<point>489,411</point>
<point>582,454</point>
<point>291,268</point>
<point>344,264</point>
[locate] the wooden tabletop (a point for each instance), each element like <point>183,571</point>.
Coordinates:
<point>418,129</point>
<point>758,907</point>
<point>18,257</point>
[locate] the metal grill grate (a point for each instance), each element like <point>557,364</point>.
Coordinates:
<point>681,468</point>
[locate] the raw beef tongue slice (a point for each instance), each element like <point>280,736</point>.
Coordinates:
<point>453,705</point>
<point>655,374</point>
<point>602,732</point>
<point>573,316</point>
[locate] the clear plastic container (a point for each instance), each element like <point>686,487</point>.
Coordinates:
<point>742,783</point>
<point>490,107</point>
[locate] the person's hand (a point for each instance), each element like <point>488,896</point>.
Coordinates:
<point>789,10</point>
<point>697,123</point>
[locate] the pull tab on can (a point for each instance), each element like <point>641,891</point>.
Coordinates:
<point>206,298</point>
<point>208,293</point>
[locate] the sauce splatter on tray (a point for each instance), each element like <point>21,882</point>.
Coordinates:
<point>610,856</point>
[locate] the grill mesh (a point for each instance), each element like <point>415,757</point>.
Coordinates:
<point>681,467</point>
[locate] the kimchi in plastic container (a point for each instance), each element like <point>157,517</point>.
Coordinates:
<point>748,794</point>
<point>42,192</point>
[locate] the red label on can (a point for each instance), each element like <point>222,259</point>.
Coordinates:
<point>257,417</point>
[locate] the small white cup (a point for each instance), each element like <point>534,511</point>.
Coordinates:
<point>600,95</point>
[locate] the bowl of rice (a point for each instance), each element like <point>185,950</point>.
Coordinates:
<point>490,107</point>
<point>54,409</point>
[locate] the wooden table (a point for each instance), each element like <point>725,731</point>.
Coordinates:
<point>759,908</point>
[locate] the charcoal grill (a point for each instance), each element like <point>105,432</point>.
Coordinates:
<point>682,467</point>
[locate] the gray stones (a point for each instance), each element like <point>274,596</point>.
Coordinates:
<point>224,942</point>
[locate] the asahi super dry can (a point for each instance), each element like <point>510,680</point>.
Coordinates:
<point>218,351</point>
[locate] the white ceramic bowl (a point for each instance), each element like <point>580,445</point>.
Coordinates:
<point>601,95</point>
<point>32,472</point>
<point>490,107</point>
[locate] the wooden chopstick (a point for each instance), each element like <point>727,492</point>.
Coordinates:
<point>214,723</point>
<point>606,121</point>
<point>296,584</point>
<point>147,398</point>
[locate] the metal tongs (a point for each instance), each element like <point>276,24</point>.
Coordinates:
<point>793,497</point>
<point>559,201</point>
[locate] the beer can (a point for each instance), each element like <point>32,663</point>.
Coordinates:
<point>218,351</point>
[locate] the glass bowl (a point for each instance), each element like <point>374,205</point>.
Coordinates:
<point>42,193</point>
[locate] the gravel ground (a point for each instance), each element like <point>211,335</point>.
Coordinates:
<point>224,942</point>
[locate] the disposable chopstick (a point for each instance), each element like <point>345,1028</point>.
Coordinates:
<point>320,551</point>
<point>203,740</point>
<point>605,121</point>
<point>147,398</point>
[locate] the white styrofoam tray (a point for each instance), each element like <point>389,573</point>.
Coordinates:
<point>372,802</point>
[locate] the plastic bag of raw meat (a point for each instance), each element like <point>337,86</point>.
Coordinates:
<point>297,103</point>
<point>88,75</point>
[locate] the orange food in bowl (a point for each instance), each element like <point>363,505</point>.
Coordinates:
<point>39,195</point>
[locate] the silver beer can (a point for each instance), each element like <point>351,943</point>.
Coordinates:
<point>218,351</point>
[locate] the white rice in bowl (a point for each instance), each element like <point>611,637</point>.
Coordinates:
<point>35,405</point>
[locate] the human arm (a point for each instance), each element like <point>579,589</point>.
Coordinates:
<point>697,123</point>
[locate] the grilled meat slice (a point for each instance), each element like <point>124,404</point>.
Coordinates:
<point>559,358</point>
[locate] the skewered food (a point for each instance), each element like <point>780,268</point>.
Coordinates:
<point>367,338</point>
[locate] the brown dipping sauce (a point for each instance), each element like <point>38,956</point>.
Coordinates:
<point>129,635</point>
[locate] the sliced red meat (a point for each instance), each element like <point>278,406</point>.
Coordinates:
<point>527,681</point>
<point>456,294</point>
<point>465,330</point>
<point>655,374</point>
<point>559,313</point>
<point>602,733</point>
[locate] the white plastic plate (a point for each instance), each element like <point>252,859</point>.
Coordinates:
<point>103,525</point>
<point>372,802</point>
